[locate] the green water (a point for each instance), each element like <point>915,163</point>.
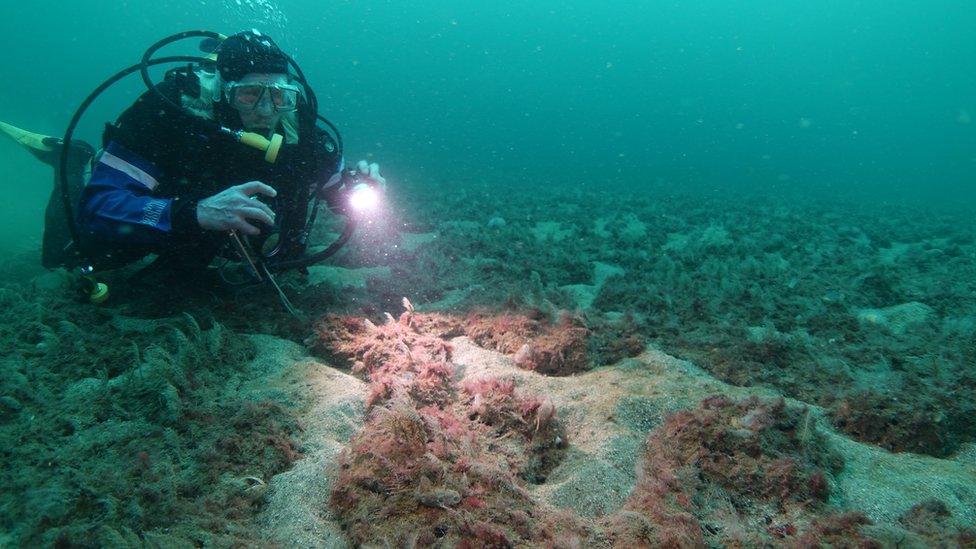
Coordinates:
<point>779,192</point>
<point>871,99</point>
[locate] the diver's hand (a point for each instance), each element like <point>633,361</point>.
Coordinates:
<point>232,208</point>
<point>363,173</point>
<point>371,173</point>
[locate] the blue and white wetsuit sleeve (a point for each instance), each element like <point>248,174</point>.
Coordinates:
<point>118,203</point>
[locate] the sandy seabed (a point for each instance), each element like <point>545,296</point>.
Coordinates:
<point>570,369</point>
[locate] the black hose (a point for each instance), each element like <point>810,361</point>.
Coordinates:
<point>335,132</point>
<point>313,101</point>
<point>69,133</point>
<point>147,58</point>
<point>318,256</point>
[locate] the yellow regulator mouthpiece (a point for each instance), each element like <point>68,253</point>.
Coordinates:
<point>99,293</point>
<point>271,147</point>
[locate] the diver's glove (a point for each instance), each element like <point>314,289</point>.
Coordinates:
<point>232,208</point>
<point>370,174</point>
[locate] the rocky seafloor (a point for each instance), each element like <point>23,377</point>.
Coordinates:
<point>570,368</point>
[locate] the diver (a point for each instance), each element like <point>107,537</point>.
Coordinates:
<point>166,183</point>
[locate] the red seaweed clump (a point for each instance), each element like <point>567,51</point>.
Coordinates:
<point>557,349</point>
<point>540,442</point>
<point>396,357</point>
<point>437,462</point>
<point>838,530</point>
<point>560,351</point>
<point>432,476</point>
<point>448,462</point>
<point>506,332</point>
<point>763,459</point>
<point>896,424</point>
<point>931,522</point>
<point>614,339</point>
<point>561,348</point>
<point>254,438</point>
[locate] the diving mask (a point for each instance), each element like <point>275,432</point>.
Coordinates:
<point>248,96</point>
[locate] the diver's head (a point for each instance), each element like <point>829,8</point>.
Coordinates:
<point>261,99</point>
<point>254,72</point>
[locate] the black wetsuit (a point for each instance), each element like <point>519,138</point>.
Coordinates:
<point>158,162</point>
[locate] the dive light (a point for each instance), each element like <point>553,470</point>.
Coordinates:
<point>362,195</point>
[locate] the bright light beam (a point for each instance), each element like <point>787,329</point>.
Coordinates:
<point>363,198</point>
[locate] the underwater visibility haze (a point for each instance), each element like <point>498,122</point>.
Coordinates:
<point>648,274</point>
